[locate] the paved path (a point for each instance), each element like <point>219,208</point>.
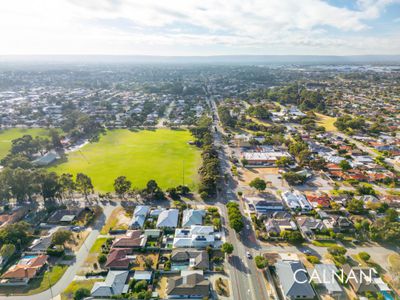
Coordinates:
<point>70,273</point>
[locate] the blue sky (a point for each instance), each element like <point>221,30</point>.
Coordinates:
<point>206,27</point>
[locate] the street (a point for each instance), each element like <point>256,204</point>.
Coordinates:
<point>247,281</point>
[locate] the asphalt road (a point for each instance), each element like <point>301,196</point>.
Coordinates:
<point>247,280</point>
<point>70,273</point>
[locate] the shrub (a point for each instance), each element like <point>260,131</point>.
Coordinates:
<point>364,256</point>
<point>261,262</point>
<point>102,259</point>
<point>81,294</point>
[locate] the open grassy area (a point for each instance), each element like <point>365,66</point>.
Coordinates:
<point>7,135</point>
<point>140,156</point>
<point>326,121</point>
<point>76,285</point>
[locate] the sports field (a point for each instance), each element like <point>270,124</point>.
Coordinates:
<point>326,121</point>
<point>7,135</point>
<point>140,156</point>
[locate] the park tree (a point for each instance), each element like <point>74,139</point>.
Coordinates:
<point>67,184</point>
<point>122,185</point>
<point>227,248</point>
<point>258,184</point>
<point>84,184</point>
<point>48,183</point>
<point>153,190</point>
<point>60,237</point>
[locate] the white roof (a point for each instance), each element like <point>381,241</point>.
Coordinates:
<point>141,210</point>
<point>168,218</point>
<point>113,285</point>
<point>192,217</point>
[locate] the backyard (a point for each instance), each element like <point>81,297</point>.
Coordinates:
<point>163,155</point>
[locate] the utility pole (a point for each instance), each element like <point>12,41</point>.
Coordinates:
<point>51,290</point>
<point>183,173</point>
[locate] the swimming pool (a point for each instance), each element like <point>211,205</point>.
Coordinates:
<point>179,267</point>
<point>29,256</point>
<point>387,296</point>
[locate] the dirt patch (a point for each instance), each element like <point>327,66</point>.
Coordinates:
<point>161,288</point>
<point>119,219</point>
<point>140,262</point>
<point>78,240</point>
<point>248,174</point>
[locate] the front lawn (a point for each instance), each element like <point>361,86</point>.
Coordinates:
<point>161,155</point>
<point>75,285</point>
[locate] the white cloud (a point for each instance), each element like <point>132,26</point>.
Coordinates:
<point>189,27</point>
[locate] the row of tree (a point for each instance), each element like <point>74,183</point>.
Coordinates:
<point>209,170</point>
<point>23,184</point>
<point>235,217</point>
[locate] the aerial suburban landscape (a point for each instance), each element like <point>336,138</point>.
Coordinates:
<point>210,150</point>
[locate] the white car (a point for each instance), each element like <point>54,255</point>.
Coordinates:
<point>248,254</point>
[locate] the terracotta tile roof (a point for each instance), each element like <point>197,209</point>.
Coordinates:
<point>27,269</point>
<point>118,258</point>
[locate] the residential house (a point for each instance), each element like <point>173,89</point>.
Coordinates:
<point>319,200</point>
<point>118,259</point>
<point>338,223</point>
<point>195,237</point>
<point>133,239</point>
<point>293,280</point>
<point>65,216</point>
<point>24,270</point>
<point>194,259</point>
<point>360,279</point>
<point>193,217</point>
<point>326,274</point>
<point>143,275</point>
<point>276,226</point>
<point>296,201</point>
<point>114,284</point>
<point>168,219</point>
<point>190,284</point>
<point>139,216</point>
<point>310,225</point>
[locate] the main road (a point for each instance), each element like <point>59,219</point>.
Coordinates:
<point>247,281</point>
